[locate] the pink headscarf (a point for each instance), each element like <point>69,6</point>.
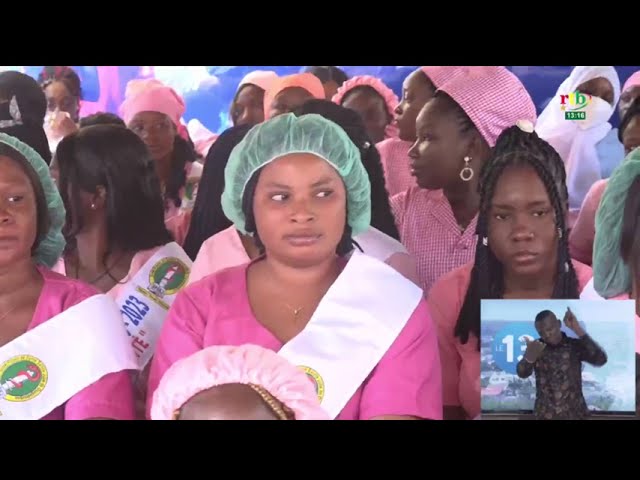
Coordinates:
<point>153,96</point>
<point>309,82</point>
<point>246,364</point>
<point>632,81</point>
<point>260,78</point>
<point>492,97</point>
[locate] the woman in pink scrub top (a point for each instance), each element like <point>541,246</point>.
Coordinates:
<point>229,248</point>
<point>522,253</point>
<point>302,211</point>
<point>31,219</point>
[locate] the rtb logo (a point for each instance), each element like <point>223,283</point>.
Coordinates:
<point>574,105</point>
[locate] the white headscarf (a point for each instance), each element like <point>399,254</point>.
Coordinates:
<point>576,141</point>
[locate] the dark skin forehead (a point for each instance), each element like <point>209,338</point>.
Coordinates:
<point>598,87</point>
<point>227,402</point>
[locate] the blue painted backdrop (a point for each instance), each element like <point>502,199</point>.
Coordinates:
<point>208,90</point>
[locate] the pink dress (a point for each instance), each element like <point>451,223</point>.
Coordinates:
<point>394,155</point>
<point>461,363</point>
<point>216,311</point>
<point>225,249</point>
<point>584,231</point>
<point>430,232</point>
<point>222,250</point>
<point>112,395</point>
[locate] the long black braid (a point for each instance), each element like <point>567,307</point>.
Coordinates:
<point>515,147</point>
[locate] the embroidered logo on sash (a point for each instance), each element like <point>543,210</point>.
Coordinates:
<point>22,378</point>
<point>317,380</point>
<point>167,277</point>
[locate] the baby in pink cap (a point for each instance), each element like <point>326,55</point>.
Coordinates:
<point>244,382</point>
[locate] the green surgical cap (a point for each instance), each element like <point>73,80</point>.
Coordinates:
<point>52,244</point>
<point>286,134</point>
<point>611,276</point>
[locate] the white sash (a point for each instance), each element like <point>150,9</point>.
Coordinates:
<point>145,299</point>
<point>354,325</point>
<point>43,368</point>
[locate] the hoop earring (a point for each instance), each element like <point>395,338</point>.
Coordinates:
<point>466,173</point>
<point>559,232</point>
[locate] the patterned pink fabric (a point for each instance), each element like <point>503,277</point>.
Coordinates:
<point>632,81</point>
<point>584,231</point>
<point>439,75</point>
<point>461,363</point>
<point>493,98</point>
<point>245,364</point>
<point>390,98</point>
<point>394,155</point>
<point>430,232</point>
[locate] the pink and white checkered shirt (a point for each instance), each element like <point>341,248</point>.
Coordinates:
<point>429,231</point>
<point>394,156</point>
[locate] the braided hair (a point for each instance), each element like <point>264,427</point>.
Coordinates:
<point>516,147</point>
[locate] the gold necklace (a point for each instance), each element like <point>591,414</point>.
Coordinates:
<point>295,311</point>
<point>5,315</point>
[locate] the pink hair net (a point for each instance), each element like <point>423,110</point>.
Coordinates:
<point>309,82</point>
<point>245,364</point>
<point>632,81</point>
<point>492,97</point>
<point>390,98</point>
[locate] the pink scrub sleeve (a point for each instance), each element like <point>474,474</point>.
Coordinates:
<point>182,335</point>
<point>460,363</point>
<point>111,396</point>
<point>407,381</point>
